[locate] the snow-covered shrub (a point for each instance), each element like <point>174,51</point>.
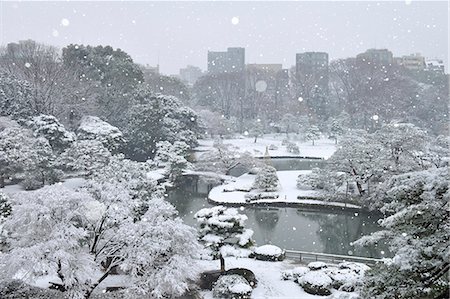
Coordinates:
<point>358,268</point>
<point>294,274</point>
<point>232,286</point>
<point>266,179</point>
<point>269,253</point>
<point>285,142</point>
<point>317,265</point>
<point>316,283</point>
<point>293,148</point>
<point>50,128</point>
<point>245,273</point>
<point>273,147</point>
<point>85,156</point>
<point>249,197</point>
<point>93,128</point>
<point>309,181</point>
<point>343,277</point>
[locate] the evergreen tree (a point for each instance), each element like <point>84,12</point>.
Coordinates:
<point>222,232</point>
<point>266,179</point>
<point>417,230</point>
<point>313,133</point>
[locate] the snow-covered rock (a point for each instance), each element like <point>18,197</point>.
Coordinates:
<point>269,253</point>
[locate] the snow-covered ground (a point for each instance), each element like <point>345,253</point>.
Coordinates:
<point>71,183</point>
<point>270,283</point>
<point>287,192</point>
<point>323,148</point>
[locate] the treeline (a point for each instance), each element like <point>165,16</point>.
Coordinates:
<point>360,89</point>
<point>79,81</point>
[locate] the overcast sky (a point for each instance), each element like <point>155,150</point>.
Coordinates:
<point>181,33</point>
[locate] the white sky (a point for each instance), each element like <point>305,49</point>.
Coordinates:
<point>181,33</point>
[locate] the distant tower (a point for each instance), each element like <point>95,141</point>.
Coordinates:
<point>233,60</point>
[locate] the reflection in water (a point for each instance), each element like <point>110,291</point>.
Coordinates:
<point>290,228</point>
<point>267,219</point>
<point>337,232</point>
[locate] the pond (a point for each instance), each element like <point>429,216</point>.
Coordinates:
<point>290,228</point>
<point>323,231</point>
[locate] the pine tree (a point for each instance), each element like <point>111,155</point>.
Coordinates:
<point>313,133</point>
<point>222,232</point>
<point>266,179</point>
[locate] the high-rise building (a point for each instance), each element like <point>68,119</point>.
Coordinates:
<point>273,67</point>
<point>233,60</point>
<point>190,74</point>
<point>377,56</point>
<point>313,65</point>
<point>413,62</point>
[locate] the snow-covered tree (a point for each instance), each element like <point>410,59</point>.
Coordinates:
<point>359,158</point>
<point>289,123</point>
<point>135,178</point>
<point>40,168</point>
<point>266,179</point>
<point>155,118</point>
<point>417,231</point>
<point>173,157</point>
<point>337,129</point>
<point>81,236</point>
<point>15,97</point>
<point>50,128</point>
<point>256,130</point>
<point>313,133</point>
<point>402,146</point>
<point>15,150</point>
<point>222,231</point>
<point>85,156</point>
<point>93,128</point>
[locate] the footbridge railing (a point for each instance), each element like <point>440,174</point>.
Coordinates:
<point>329,258</point>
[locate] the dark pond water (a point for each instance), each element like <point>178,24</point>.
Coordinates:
<point>290,228</point>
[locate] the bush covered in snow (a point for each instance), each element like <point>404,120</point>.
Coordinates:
<point>316,283</point>
<point>93,128</point>
<point>269,253</point>
<point>295,273</point>
<point>266,179</point>
<point>232,286</point>
<point>85,156</point>
<point>293,148</point>
<point>320,278</point>
<point>50,128</point>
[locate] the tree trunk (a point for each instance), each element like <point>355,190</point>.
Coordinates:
<point>2,181</point>
<point>222,263</point>
<point>256,137</point>
<point>89,292</point>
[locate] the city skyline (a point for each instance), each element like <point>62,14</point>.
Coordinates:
<point>177,34</point>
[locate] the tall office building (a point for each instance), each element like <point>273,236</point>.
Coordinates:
<point>377,56</point>
<point>190,74</point>
<point>313,65</point>
<point>233,60</point>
